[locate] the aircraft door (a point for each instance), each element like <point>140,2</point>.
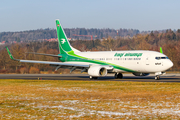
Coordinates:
<point>147,60</point>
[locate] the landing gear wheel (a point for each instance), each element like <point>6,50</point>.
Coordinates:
<point>157,77</point>
<point>93,78</point>
<point>118,76</point>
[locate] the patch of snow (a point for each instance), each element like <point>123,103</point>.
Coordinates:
<point>75,89</point>
<point>71,101</point>
<point>113,113</point>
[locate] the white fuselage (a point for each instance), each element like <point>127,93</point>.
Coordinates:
<point>136,60</point>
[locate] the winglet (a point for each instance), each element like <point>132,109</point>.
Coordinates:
<point>10,55</point>
<point>161,51</point>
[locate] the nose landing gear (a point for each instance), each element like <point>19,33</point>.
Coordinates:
<point>157,77</point>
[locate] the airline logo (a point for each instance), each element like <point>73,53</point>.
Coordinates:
<point>118,54</point>
<point>63,41</point>
<point>133,54</point>
<point>128,54</point>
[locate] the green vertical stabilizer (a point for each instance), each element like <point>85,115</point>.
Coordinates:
<point>64,45</point>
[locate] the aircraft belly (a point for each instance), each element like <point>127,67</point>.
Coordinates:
<point>81,63</point>
<point>132,65</point>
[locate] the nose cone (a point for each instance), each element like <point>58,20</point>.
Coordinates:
<point>169,64</point>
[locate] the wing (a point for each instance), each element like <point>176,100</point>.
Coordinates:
<point>45,54</point>
<point>52,63</point>
<point>71,66</point>
<point>44,62</point>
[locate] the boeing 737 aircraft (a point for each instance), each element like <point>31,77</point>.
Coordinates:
<point>98,64</point>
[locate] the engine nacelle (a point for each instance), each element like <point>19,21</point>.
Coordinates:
<point>141,74</point>
<point>97,71</point>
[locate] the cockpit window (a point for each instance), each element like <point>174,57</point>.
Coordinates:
<point>159,58</point>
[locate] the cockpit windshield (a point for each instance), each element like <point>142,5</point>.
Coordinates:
<point>159,58</point>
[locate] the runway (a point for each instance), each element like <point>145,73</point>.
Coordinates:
<point>85,77</point>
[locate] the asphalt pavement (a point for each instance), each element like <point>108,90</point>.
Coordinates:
<point>85,77</point>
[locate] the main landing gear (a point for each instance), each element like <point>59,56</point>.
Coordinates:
<point>118,76</point>
<point>93,78</point>
<point>157,77</point>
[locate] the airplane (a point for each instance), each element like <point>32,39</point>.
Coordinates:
<point>100,63</point>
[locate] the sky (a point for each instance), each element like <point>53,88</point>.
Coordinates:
<point>144,15</point>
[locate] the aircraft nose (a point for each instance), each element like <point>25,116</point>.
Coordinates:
<point>170,64</point>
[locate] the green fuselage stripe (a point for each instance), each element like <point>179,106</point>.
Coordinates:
<point>71,57</point>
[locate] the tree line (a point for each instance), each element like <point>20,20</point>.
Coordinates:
<point>41,34</point>
<point>169,41</point>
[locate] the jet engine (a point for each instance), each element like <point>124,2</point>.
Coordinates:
<point>97,71</point>
<point>141,74</point>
